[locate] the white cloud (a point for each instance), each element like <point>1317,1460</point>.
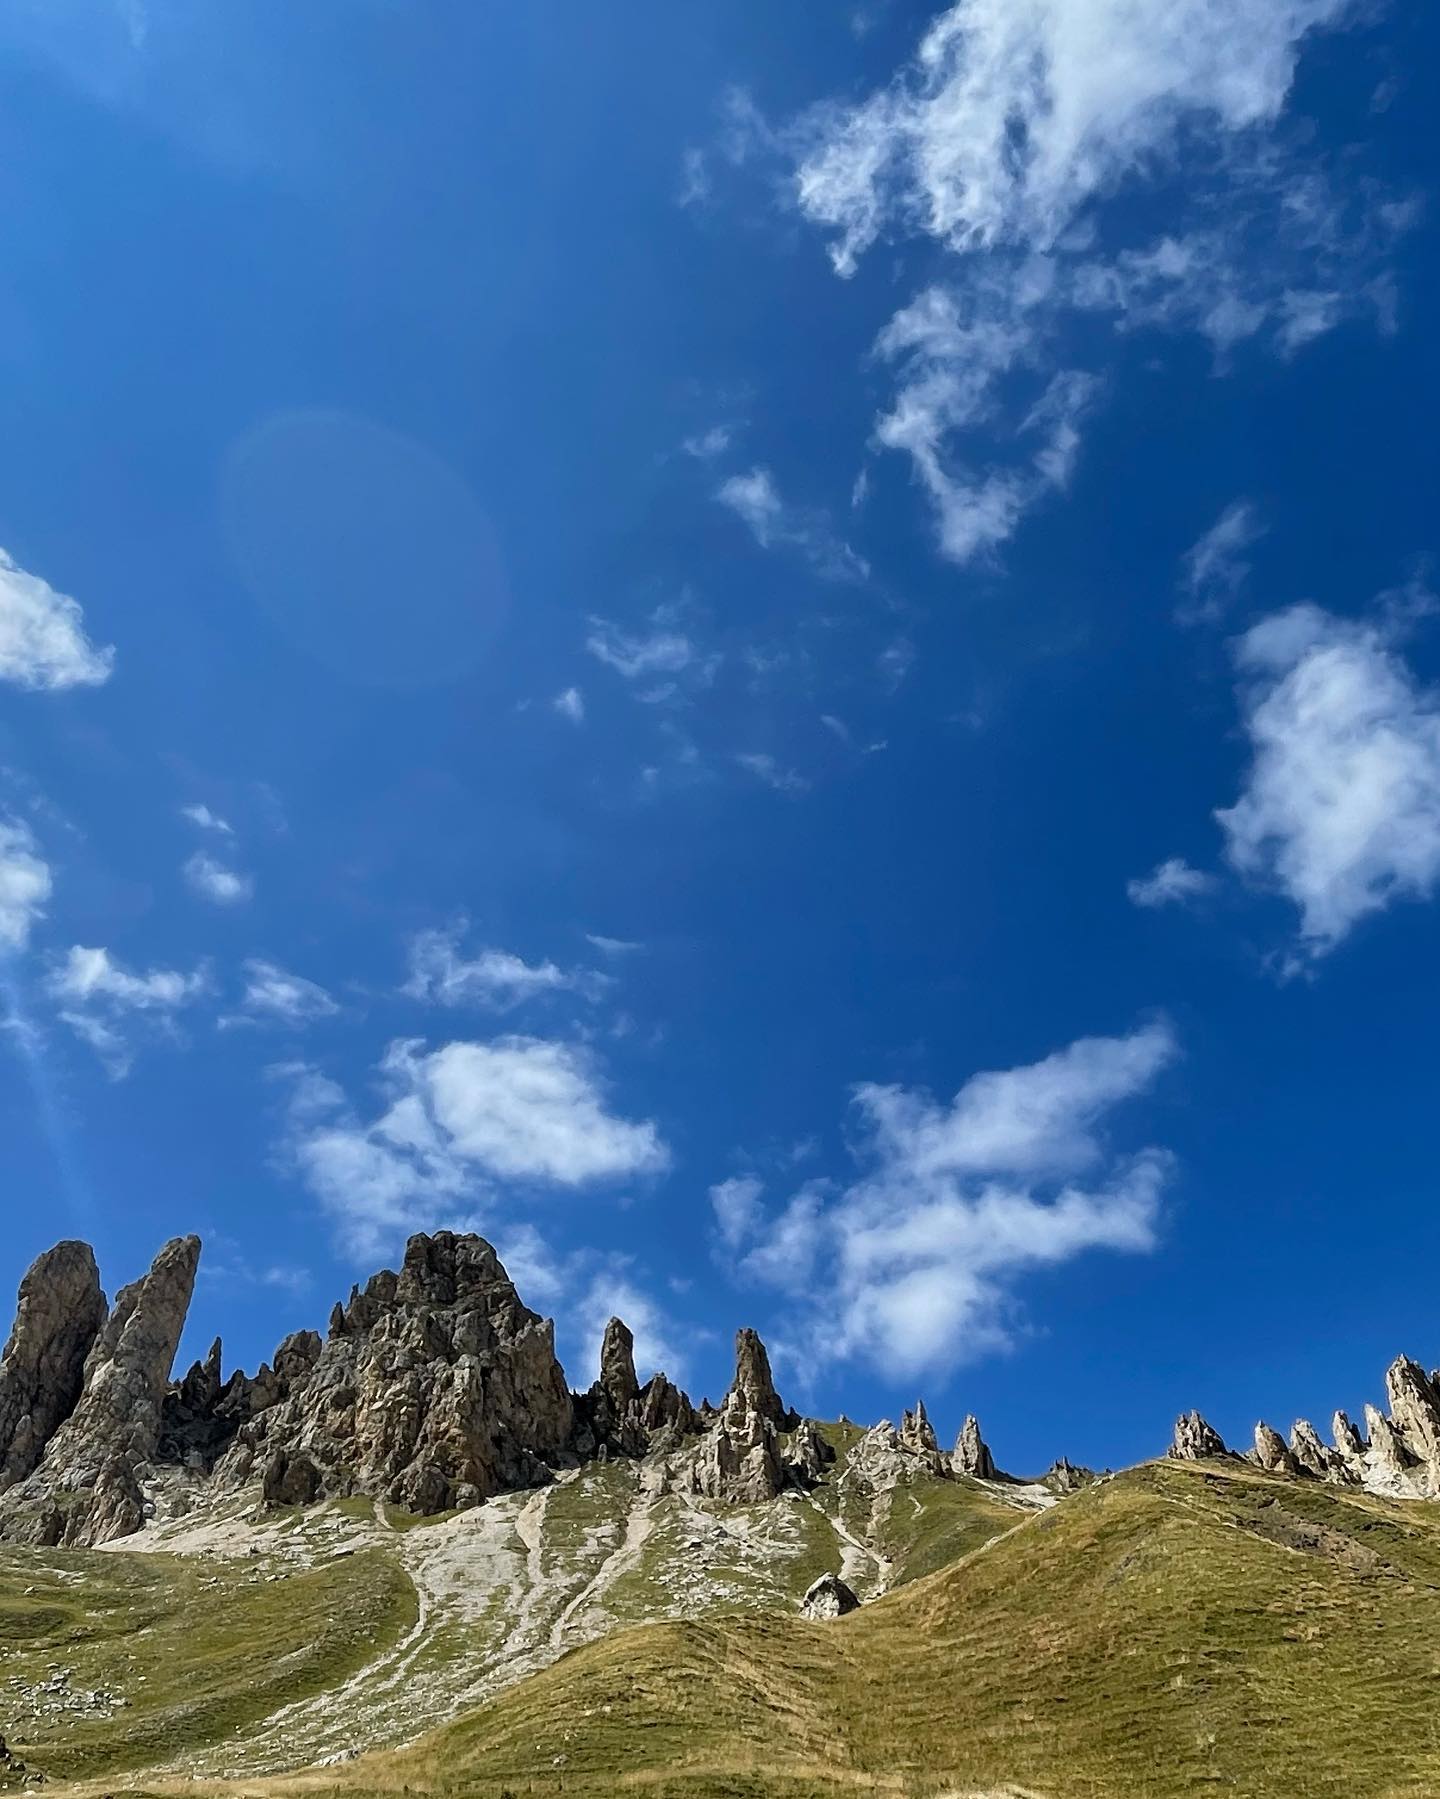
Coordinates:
<point>916,1258</point>
<point>42,635</point>
<point>275,996</point>
<point>25,884</point>
<point>661,651</point>
<point>705,446</point>
<point>775,775</point>
<point>1216,566</point>
<point>736,1205</point>
<point>755,499</point>
<point>1015,115</point>
<point>105,1003</point>
<point>493,979</point>
<point>1340,811</point>
<point>215,882</point>
<point>612,946</point>
<point>206,820</point>
<point>459,1124</point>
<point>570,704</point>
<point>1173,883</point>
<point>1005,140</point>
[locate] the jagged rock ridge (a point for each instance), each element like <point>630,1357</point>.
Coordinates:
<point>434,1388</point>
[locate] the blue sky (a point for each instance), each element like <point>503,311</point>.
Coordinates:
<point>786,660</point>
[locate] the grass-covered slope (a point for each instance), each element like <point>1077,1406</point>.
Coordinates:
<point>118,1661</point>
<point>1176,1630</point>
<point>255,1646</point>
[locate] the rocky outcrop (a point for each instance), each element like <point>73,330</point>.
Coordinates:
<point>58,1316</point>
<point>829,1597</point>
<point>739,1458</point>
<point>1271,1453</point>
<point>1349,1444</point>
<point>754,1380</point>
<point>1064,1477</point>
<point>917,1434</point>
<point>86,1486</point>
<point>1415,1410</point>
<point>1194,1440</point>
<point>435,1388</point>
<point>971,1455</point>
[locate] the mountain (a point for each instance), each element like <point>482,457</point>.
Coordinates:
<point>408,1556</point>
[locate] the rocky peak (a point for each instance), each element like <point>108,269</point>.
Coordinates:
<point>755,1382</point>
<point>917,1433</point>
<point>617,1365</point>
<point>971,1455</point>
<point>1271,1453</point>
<point>1414,1408</point>
<point>58,1316</point>
<point>1194,1440</point>
<point>1348,1441</point>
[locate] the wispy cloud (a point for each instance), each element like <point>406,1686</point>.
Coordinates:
<point>214,881</point>
<point>493,980</point>
<point>1172,883</point>
<point>204,819</point>
<point>1216,566</point>
<point>920,1253</point>
<point>1006,141</point>
<point>1340,811</point>
<point>570,704</point>
<point>105,1003</point>
<point>665,648</point>
<point>755,498</point>
<point>43,644</point>
<point>25,884</point>
<point>275,996</point>
<point>773,774</point>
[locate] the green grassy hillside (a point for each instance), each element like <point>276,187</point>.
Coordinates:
<point>1176,1630</point>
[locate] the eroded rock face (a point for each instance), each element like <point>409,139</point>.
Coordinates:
<point>739,1458</point>
<point>58,1316</point>
<point>435,1388</point>
<point>1271,1453</point>
<point>917,1434</point>
<point>1194,1440</point>
<point>971,1455</point>
<point>754,1380</point>
<point>86,1487</point>
<point>829,1597</point>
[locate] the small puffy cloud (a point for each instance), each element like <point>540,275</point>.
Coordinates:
<point>214,881</point>
<point>275,996</point>
<point>755,499</point>
<point>1216,566</point>
<point>460,1126</point>
<point>705,446</point>
<point>1173,883</point>
<point>205,820</point>
<point>107,1004</point>
<point>43,644</point>
<point>570,704</point>
<point>492,979</point>
<point>736,1205</point>
<point>955,1200</point>
<point>25,884</point>
<point>1340,811</point>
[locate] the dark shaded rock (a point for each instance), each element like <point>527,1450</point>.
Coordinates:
<point>58,1315</point>
<point>829,1597</point>
<point>290,1478</point>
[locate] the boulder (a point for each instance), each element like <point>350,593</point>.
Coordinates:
<point>828,1597</point>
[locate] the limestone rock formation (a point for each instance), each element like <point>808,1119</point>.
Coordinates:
<point>1349,1444</point>
<point>435,1388</point>
<point>1415,1409</point>
<point>739,1457</point>
<point>1064,1477</point>
<point>86,1486</point>
<point>1194,1440</point>
<point>808,1454</point>
<point>828,1597</point>
<point>58,1316</point>
<point>1271,1452</point>
<point>917,1434</point>
<point>971,1455</point>
<point>754,1380</point>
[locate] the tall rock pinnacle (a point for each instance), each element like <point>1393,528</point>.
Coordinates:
<point>971,1454</point>
<point>617,1365</point>
<point>754,1380</point>
<point>59,1314</point>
